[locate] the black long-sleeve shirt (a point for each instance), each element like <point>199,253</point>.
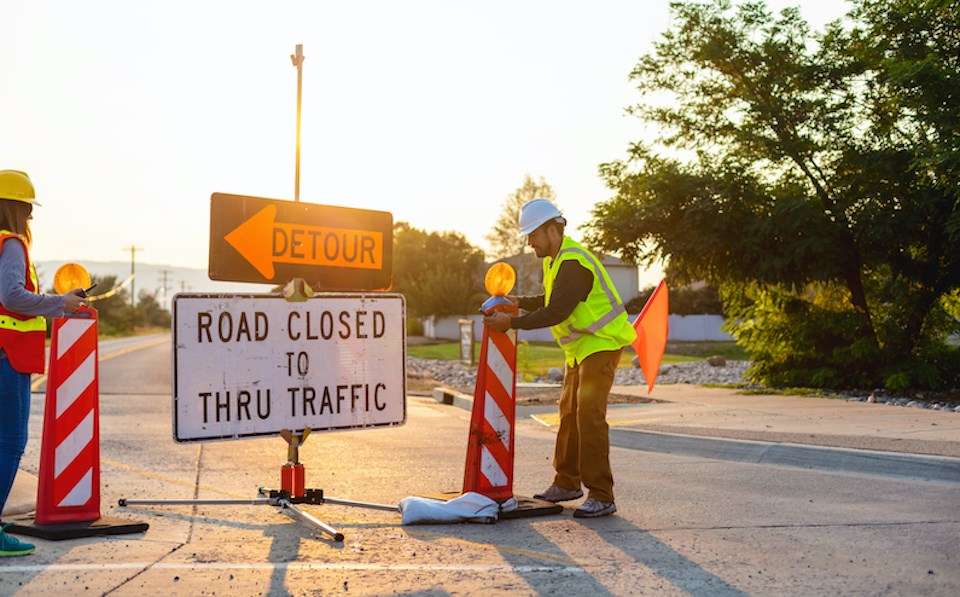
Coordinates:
<point>572,285</point>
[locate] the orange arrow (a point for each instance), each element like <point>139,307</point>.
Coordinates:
<point>263,242</point>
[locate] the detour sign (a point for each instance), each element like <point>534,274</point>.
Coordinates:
<point>253,239</point>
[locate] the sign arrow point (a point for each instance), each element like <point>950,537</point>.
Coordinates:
<point>252,239</point>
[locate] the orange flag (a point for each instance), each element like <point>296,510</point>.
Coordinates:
<point>651,326</point>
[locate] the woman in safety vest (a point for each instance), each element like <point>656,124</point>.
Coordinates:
<point>585,315</point>
<point>22,332</point>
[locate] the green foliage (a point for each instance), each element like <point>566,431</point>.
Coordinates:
<point>504,237</point>
<point>415,327</point>
<point>439,273</point>
<point>813,177</point>
<point>684,300</point>
<point>151,313</point>
<point>115,315</point>
<point>523,360</point>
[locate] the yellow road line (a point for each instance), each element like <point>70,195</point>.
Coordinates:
<point>171,480</point>
<point>547,419</point>
<point>35,385</point>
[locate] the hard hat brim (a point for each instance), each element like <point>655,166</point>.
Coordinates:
<point>525,232</point>
<point>29,200</point>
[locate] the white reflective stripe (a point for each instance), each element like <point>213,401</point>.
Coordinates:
<point>81,492</point>
<point>491,469</point>
<point>67,451</point>
<point>69,333</point>
<point>597,271</point>
<point>497,420</point>
<point>497,363</point>
<point>76,384</point>
<point>594,327</point>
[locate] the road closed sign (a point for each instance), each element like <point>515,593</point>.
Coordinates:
<point>253,239</point>
<point>255,365</point>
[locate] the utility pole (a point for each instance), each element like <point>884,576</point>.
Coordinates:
<point>164,273</point>
<point>133,282</point>
<point>297,60</point>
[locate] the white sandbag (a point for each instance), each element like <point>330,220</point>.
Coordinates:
<point>469,507</point>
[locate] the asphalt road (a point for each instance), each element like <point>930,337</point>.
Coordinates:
<point>686,525</point>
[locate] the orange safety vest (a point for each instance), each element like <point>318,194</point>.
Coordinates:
<point>22,336</point>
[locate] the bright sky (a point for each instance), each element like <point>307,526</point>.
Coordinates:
<point>128,115</point>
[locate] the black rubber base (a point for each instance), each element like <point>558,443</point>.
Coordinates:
<point>76,530</point>
<point>527,507</point>
<point>310,496</point>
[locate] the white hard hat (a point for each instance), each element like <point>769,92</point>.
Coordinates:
<point>536,213</point>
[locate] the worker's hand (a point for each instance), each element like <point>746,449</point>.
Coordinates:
<point>499,321</point>
<point>74,300</point>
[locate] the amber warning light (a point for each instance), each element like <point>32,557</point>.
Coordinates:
<point>70,276</point>
<point>499,282</point>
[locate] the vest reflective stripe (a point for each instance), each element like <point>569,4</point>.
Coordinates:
<point>599,322</point>
<point>33,324</point>
<point>22,336</point>
<point>594,327</point>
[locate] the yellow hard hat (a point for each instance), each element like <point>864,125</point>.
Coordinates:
<point>16,186</point>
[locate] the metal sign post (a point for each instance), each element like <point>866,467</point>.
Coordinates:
<point>297,60</point>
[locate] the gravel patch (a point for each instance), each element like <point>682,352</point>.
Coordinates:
<point>458,375</point>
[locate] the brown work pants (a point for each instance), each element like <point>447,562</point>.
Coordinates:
<point>582,454</point>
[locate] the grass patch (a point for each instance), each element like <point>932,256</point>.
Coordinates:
<point>535,359</point>
<point>809,392</point>
<point>702,350</point>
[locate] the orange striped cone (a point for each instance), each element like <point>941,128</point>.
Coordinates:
<point>69,488</point>
<point>489,467</point>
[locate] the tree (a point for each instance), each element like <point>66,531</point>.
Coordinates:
<point>504,237</point>
<point>812,177</point>
<point>439,273</point>
<point>151,312</point>
<point>114,314</point>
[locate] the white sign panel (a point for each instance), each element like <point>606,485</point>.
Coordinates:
<point>250,365</point>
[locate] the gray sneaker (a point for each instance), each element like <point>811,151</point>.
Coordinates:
<point>593,509</point>
<point>559,494</point>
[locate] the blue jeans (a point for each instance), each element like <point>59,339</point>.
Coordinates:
<point>14,412</point>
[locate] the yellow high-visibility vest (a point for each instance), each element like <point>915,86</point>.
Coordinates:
<point>596,324</point>
<point>22,336</point>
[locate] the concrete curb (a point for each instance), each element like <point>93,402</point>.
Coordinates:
<point>453,398</point>
<point>886,464</point>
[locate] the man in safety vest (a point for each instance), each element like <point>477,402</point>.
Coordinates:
<point>581,307</point>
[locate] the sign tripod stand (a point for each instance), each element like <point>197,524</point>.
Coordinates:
<point>292,492</point>
<point>293,489</point>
